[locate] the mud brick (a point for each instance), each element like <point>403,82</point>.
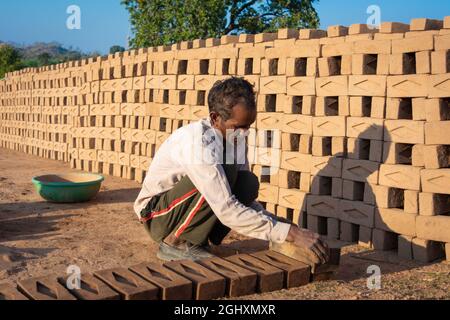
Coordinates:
<point>333,229</point>
<point>400,176</point>
<point>268,193</point>
<point>435,132</point>
<point>269,120</point>
<point>404,247</point>
<point>326,166</point>
<point>330,66</point>
<point>365,237</point>
<point>360,170</point>
<point>338,146</point>
<point>433,228</point>
<point>423,62</point>
<point>372,47</point>
<point>299,86</point>
<point>358,149</point>
<point>349,232</point>
<point>384,240</point>
<point>397,153</point>
<point>427,250</point>
<point>273,85</point>
<point>317,224</point>
<point>44,288</point>
<point>364,64</point>
<point>447,248</point>
<point>321,185</point>
<point>414,44</point>
<point>332,86</point>
<point>298,124</point>
<point>323,206</point>
<point>400,108</point>
<point>358,28</point>
<point>291,198</point>
<point>432,204</point>
<point>437,156</point>
<point>435,180</point>
<point>336,187</point>
<point>411,202</point>
<point>365,128</point>
<point>295,161</point>
<point>10,292</point>
<point>352,190</point>
<point>307,34</point>
<point>447,22</point>
<point>421,24</point>
<point>337,31</point>
<point>332,106</point>
<point>404,131</point>
<point>91,288</point>
<point>299,105</point>
<point>408,86</point>
<point>360,106</point>
<point>172,286</point>
<point>395,220</point>
<point>129,285</point>
<point>440,62</point>
<point>369,85</point>
<point>269,279</point>
<point>439,86</point>
<point>321,146</point>
<point>239,280</point>
<point>329,126</point>
<point>296,273</point>
<point>357,212</point>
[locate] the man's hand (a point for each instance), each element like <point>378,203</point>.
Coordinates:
<point>306,239</point>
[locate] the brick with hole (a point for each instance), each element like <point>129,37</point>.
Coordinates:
<point>44,288</point>
<point>91,288</point>
<point>10,292</point>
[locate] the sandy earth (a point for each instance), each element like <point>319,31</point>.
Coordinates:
<point>39,238</point>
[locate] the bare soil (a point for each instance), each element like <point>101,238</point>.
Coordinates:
<point>39,238</point>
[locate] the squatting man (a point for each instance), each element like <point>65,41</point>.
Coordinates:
<point>197,189</point>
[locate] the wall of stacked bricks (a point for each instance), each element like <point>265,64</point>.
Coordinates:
<point>361,120</point>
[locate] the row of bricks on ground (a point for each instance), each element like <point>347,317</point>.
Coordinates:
<point>211,278</point>
<point>130,61</point>
<point>408,247</point>
<point>36,151</point>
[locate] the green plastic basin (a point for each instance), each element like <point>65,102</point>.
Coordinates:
<point>68,188</point>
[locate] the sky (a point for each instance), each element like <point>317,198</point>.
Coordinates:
<point>105,22</point>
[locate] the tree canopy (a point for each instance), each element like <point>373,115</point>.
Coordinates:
<point>162,22</point>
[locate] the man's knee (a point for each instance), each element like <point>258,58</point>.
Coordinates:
<point>246,188</point>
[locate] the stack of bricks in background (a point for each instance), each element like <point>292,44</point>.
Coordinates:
<point>352,135</point>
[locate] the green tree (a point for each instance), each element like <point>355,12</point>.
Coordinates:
<point>44,58</point>
<point>162,22</point>
<point>115,49</point>
<point>9,59</point>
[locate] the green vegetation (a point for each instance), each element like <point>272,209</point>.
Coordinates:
<point>161,22</point>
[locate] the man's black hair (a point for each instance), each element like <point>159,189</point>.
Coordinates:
<point>226,94</point>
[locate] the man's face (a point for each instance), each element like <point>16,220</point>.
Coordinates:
<point>241,119</point>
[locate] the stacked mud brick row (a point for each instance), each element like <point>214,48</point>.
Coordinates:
<point>351,137</point>
<point>212,278</point>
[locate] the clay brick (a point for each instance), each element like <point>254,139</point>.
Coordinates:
<point>408,86</point>
<point>365,237</point>
<point>433,228</point>
<point>357,212</point>
<point>397,153</point>
<point>326,166</point>
<point>353,190</point>
<point>329,126</point>
<point>296,273</point>
<point>10,292</point>
<point>411,201</point>
<point>295,161</point>
<point>447,249</point>
<point>438,156</point>
<point>268,193</point>
<point>239,281</point>
<point>317,224</point>
<point>427,250</point>
<point>405,247</point>
<point>423,62</point>
<point>395,220</point>
<point>365,128</point>
<point>432,204</point>
<point>332,86</point>
<point>393,27</point>
<point>404,131</point>
<point>336,187</point>
<point>301,86</point>
<point>270,278</point>
<point>207,284</point>
<point>414,44</point>
<point>273,85</point>
<point>400,176</point>
<point>129,285</point>
<point>349,232</point>
<point>321,146</point>
<point>440,62</point>
<point>333,229</point>
<point>435,180</point>
<point>439,86</point>
<point>323,206</point>
<point>360,170</point>
<point>91,288</point>
<point>332,106</point>
<point>384,240</point>
<point>337,31</point>
<point>421,24</point>
<point>44,288</point>
<point>306,34</point>
<point>368,85</point>
<point>172,286</point>
<point>321,185</point>
<point>298,124</point>
<point>447,22</point>
<point>338,146</point>
<point>291,198</point>
<point>435,132</point>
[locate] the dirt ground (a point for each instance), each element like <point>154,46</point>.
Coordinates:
<point>39,238</point>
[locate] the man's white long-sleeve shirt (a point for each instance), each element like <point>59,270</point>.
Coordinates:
<point>187,152</point>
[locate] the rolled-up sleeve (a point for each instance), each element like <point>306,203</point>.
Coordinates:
<point>211,182</point>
